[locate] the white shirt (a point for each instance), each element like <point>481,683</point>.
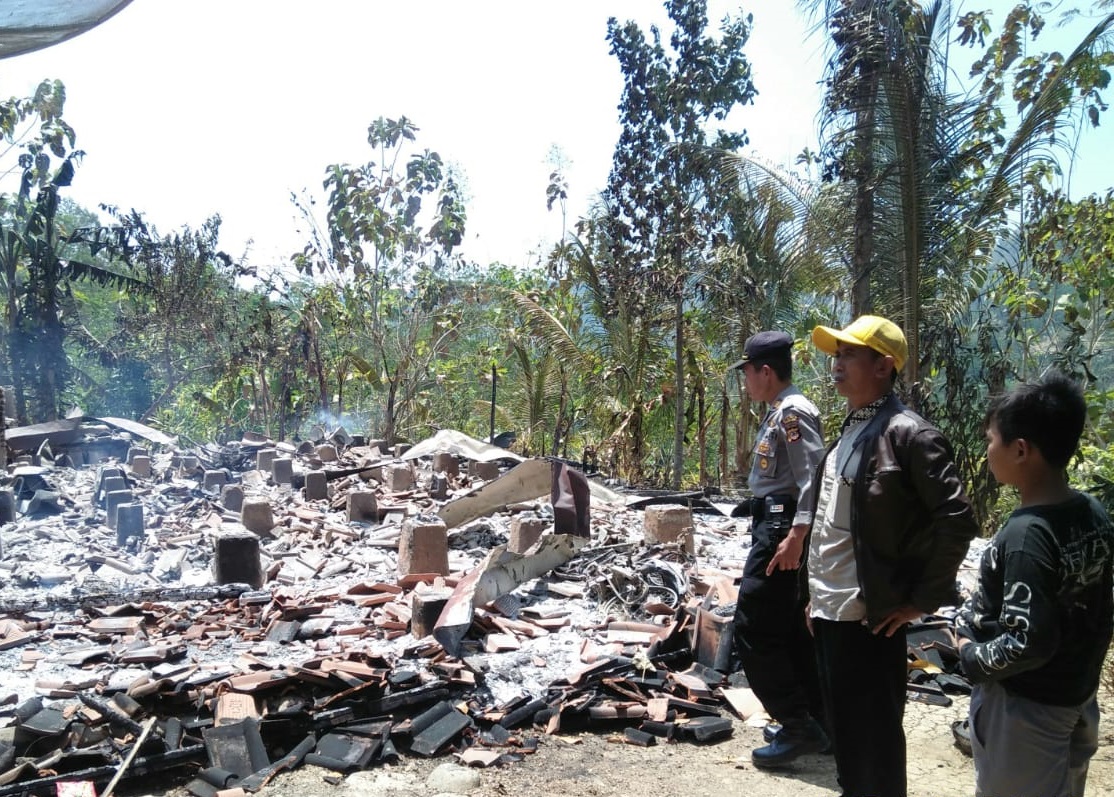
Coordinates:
<point>833,574</point>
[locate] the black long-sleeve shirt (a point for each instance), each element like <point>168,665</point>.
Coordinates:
<point>1043,615</point>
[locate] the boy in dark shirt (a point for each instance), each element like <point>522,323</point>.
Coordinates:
<point>1033,637</point>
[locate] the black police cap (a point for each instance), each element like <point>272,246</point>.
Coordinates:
<point>763,346</point>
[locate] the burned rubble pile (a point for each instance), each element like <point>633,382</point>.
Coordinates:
<point>231,612</point>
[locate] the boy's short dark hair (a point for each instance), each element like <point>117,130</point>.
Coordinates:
<point>1048,413</point>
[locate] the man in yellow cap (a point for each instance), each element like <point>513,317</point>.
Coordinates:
<point>891,526</point>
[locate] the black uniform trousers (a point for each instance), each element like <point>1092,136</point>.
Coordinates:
<point>771,638</point>
<point>863,682</point>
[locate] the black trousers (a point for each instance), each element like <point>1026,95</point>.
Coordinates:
<point>862,678</point>
<point>771,638</point>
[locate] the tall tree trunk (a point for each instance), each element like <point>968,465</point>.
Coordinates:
<point>724,412</point>
<point>702,436</point>
<point>679,387</point>
<point>863,253</point>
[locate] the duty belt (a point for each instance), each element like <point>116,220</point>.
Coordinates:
<point>760,508</point>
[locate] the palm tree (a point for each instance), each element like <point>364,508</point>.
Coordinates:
<point>612,360</point>
<point>931,191</point>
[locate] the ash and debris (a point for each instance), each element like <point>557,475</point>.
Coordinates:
<point>89,617</point>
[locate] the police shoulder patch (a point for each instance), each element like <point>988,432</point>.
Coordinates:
<point>792,426</point>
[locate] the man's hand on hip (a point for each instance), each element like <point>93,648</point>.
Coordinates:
<point>896,619</point>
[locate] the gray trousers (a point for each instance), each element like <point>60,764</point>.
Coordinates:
<point>1022,747</point>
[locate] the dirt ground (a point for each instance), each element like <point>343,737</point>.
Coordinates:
<point>599,765</point>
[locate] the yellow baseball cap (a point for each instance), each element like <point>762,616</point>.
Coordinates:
<point>880,334</point>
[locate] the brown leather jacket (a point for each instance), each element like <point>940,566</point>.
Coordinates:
<point>911,521</point>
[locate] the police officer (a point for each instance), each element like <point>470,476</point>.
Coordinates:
<point>771,639</point>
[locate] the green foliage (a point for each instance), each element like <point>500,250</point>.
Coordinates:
<point>659,204</point>
<point>395,273</point>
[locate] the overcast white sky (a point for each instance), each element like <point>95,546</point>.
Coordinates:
<point>191,107</point>
<point>187,108</point>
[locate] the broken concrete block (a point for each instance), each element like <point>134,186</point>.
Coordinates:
<point>423,547</point>
<point>439,487</point>
<point>488,471</point>
<point>129,522</point>
<point>135,451</point>
<point>668,523</point>
<point>327,453</point>
<point>524,532</point>
<point>282,470</point>
<point>401,448</point>
<point>214,479</point>
<point>425,608</point>
<point>112,502</point>
<point>317,485</point>
<point>141,466</point>
<point>236,559</point>
<point>232,497</point>
<point>399,477</point>
<point>189,464</point>
<point>255,515</point>
<point>263,459</point>
<point>361,507</point>
<point>446,463</point>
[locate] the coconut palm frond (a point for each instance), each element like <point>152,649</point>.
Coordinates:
<point>545,326</point>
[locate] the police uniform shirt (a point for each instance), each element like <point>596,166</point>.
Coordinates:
<point>787,452</point>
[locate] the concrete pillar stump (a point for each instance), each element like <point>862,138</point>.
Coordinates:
<point>327,453</point>
<point>361,507</point>
<point>129,522</point>
<point>7,506</point>
<point>112,484</point>
<point>236,559</point>
<point>141,466</point>
<point>423,547</point>
<point>439,487</point>
<point>398,477</point>
<point>256,517</point>
<point>112,501</point>
<point>282,470</point>
<point>136,451</point>
<point>668,523</point>
<point>232,497</point>
<point>317,485</point>
<point>425,608</point>
<point>214,480</point>
<point>446,463</point>
<point>263,459</point>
